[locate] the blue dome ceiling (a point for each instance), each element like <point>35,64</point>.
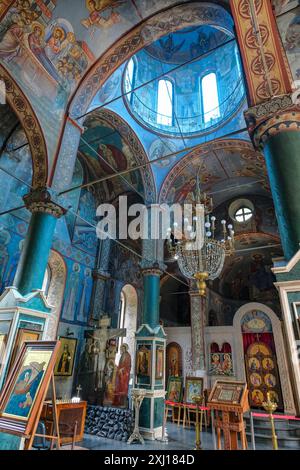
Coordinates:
<point>184,59</point>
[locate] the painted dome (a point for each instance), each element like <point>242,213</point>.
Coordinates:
<point>185,84</point>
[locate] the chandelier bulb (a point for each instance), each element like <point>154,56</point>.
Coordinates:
<point>223,222</point>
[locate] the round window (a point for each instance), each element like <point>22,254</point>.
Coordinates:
<point>244,214</point>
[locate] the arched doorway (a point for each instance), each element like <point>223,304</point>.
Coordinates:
<point>54,285</point>
<point>128,320</point>
<point>260,356</point>
<point>173,360</point>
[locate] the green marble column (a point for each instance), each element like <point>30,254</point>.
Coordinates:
<point>151,340</point>
<point>151,279</point>
<point>282,154</point>
<point>33,262</point>
<point>274,127</point>
<point>35,253</point>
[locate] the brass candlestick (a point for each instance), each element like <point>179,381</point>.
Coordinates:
<point>198,400</point>
<point>270,406</point>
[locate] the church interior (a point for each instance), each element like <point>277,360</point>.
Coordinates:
<point>139,340</point>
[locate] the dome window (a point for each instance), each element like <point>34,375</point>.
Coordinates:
<point>210,98</point>
<point>165,103</point>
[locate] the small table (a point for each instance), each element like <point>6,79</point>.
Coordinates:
<point>71,420</point>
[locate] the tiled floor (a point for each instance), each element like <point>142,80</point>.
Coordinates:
<point>178,439</point>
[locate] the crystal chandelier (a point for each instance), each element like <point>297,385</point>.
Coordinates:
<point>204,258</point>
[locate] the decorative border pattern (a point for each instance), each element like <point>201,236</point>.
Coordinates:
<point>21,106</point>
<point>265,63</point>
<point>271,118</point>
<point>133,142</point>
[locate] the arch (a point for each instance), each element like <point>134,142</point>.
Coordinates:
<point>230,145</point>
<point>58,277</point>
<point>29,121</point>
<point>160,24</point>
<point>133,142</point>
<point>288,400</point>
<point>174,365</point>
<point>129,322</point>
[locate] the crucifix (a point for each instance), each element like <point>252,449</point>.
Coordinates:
<point>100,337</point>
<point>79,388</point>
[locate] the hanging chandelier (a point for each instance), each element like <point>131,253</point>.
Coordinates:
<point>200,253</point>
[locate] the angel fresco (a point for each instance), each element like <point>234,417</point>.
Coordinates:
<point>102,14</point>
<point>25,390</point>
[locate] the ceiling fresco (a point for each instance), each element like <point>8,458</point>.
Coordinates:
<point>225,166</point>
<point>186,44</point>
<point>108,146</point>
<point>248,276</point>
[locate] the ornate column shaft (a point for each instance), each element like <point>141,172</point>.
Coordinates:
<point>198,319</point>
<point>34,258</point>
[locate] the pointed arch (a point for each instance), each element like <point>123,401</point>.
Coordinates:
<point>29,121</point>
<point>55,296</point>
<point>133,142</point>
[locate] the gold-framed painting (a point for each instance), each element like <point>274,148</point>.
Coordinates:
<point>193,387</point>
<point>159,365</point>
<point>143,361</point>
<point>175,389</point>
<point>227,392</point>
<point>23,335</point>
<point>25,389</point>
<point>66,357</point>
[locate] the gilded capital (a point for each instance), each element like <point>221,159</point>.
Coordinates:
<point>280,114</point>
<point>41,201</point>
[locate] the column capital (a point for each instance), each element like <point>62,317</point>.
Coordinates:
<point>41,200</point>
<point>279,114</point>
<point>102,275</point>
<point>152,271</point>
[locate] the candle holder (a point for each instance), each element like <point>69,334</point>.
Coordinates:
<point>198,400</point>
<point>137,395</point>
<point>270,406</point>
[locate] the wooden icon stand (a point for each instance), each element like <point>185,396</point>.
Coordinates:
<point>26,427</point>
<point>230,401</point>
<point>55,438</point>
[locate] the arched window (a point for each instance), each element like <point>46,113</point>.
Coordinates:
<point>122,310</point>
<point>46,281</point>
<point>210,97</point>
<point>129,77</point>
<point>165,103</point>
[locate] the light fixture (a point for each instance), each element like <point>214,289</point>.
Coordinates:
<point>200,254</point>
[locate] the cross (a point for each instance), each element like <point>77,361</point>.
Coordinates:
<point>79,388</point>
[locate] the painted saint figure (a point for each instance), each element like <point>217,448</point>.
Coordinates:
<point>35,40</point>
<point>122,377</point>
<point>65,361</point>
<point>24,392</point>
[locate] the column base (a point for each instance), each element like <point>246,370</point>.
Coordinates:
<point>152,415</point>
